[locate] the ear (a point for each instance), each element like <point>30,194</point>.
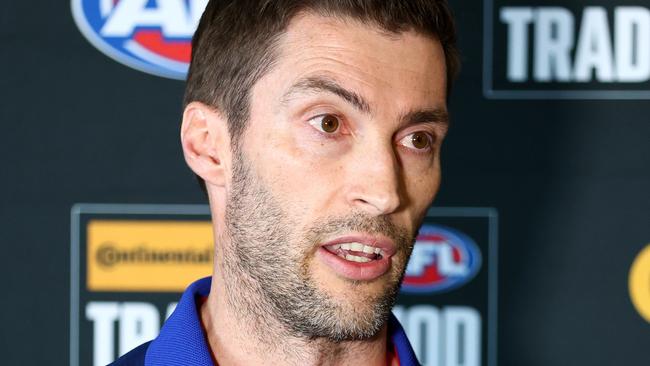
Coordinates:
<point>205,141</point>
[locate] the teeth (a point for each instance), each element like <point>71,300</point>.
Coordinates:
<point>354,258</point>
<point>358,247</point>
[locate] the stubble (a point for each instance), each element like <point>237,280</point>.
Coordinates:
<point>267,273</point>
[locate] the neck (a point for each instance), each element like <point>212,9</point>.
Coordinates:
<point>243,336</point>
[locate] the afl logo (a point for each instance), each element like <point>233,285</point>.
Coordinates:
<point>153,36</point>
<point>442,259</point>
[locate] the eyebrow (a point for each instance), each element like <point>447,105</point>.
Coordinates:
<point>434,115</point>
<point>318,84</point>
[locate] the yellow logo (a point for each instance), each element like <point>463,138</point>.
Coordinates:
<point>147,256</point>
<point>639,283</point>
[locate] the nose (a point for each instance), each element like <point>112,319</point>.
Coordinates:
<point>374,184</point>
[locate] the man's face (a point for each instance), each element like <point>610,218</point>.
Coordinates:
<point>333,175</point>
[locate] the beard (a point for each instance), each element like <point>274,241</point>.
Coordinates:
<point>267,273</point>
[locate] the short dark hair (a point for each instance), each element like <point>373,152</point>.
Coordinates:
<point>233,46</point>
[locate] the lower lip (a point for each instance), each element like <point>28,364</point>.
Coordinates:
<point>354,270</point>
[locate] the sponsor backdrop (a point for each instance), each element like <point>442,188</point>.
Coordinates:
<point>536,251</point>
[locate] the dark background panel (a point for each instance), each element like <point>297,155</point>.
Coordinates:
<point>569,179</point>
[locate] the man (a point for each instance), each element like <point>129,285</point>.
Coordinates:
<point>315,129</point>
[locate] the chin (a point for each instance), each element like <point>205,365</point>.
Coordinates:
<point>359,309</point>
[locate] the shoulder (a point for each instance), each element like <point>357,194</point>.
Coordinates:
<point>135,357</point>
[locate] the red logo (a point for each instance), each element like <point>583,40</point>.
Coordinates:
<point>442,259</point>
<point>153,36</point>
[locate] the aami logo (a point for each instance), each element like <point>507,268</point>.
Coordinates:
<point>442,259</point>
<point>153,36</point>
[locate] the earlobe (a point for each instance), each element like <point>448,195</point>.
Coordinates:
<point>204,136</point>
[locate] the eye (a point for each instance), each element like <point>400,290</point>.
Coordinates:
<point>417,140</point>
<point>327,123</point>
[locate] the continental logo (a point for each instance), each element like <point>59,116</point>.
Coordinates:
<point>147,256</point>
<point>109,255</point>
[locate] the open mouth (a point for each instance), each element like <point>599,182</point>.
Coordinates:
<point>358,256</point>
<point>356,252</point>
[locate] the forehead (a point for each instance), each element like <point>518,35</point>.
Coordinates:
<point>404,69</point>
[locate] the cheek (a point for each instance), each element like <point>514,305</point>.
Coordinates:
<point>422,186</point>
<point>311,159</point>
<point>301,179</point>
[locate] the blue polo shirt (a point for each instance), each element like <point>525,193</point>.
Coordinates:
<point>182,342</point>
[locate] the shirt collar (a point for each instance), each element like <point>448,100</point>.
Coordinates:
<point>182,341</point>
